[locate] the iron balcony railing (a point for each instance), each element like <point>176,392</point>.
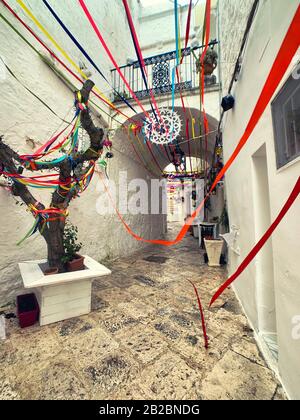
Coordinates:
<point>159,70</point>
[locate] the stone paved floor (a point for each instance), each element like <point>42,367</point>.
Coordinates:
<point>143,340</point>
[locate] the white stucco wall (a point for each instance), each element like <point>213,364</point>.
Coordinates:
<point>158,26</point>
<point>270,27</point>
<point>22,117</point>
<point>233,16</point>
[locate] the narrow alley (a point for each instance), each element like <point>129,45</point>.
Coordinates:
<point>143,339</point>
<point>149,202</point>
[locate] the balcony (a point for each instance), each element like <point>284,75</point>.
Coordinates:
<point>159,70</point>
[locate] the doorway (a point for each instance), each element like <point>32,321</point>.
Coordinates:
<point>265,287</point>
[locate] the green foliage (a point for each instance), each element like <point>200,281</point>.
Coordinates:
<point>124,94</point>
<point>224,219</point>
<point>71,245</point>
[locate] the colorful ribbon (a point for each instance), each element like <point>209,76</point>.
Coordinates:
<point>52,54</point>
<point>284,57</point>
<point>60,49</point>
<point>111,57</point>
<point>79,46</point>
<point>188,28</point>
<point>141,61</point>
<point>140,58</point>
<point>58,59</point>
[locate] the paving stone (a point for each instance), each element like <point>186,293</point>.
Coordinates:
<point>169,378</point>
<point>249,350</point>
<point>279,394</point>
<point>111,374</point>
<point>54,380</point>
<point>119,322</point>
<point>7,392</point>
<point>236,378</point>
<point>72,327</point>
<point>144,343</point>
<point>90,346</point>
<point>29,349</point>
<point>136,309</point>
<point>143,339</point>
<point>156,259</point>
<point>114,296</point>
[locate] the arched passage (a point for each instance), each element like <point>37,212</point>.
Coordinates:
<point>193,144</point>
<point>191,140</point>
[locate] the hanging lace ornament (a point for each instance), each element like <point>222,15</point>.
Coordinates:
<point>164,129</point>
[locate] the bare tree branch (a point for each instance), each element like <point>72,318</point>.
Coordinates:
<point>7,157</point>
<point>61,198</point>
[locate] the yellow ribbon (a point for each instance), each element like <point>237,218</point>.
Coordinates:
<point>60,49</point>
<point>193,127</point>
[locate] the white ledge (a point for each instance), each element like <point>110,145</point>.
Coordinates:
<point>33,275</point>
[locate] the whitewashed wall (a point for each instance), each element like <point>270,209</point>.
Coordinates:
<point>267,34</point>
<point>233,18</point>
<point>158,26</point>
<point>23,117</point>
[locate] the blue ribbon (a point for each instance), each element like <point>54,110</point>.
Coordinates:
<point>69,33</point>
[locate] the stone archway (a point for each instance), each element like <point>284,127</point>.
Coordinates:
<point>194,147</point>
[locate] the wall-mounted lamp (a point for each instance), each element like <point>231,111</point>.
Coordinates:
<point>227,103</point>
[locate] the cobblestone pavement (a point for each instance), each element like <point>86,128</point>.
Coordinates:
<point>143,339</point>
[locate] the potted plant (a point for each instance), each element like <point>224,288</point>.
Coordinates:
<point>210,62</point>
<point>72,260</point>
<point>51,271</point>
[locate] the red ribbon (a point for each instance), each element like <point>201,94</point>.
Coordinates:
<point>188,28</point>
<point>261,243</point>
<point>40,152</point>
<point>108,52</point>
<point>206,343</point>
<point>139,51</point>
<point>285,55</point>
<point>58,59</point>
<point>202,84</point>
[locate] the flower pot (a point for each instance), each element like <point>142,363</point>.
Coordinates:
<point>209,69</point>
<point>27,310</point>
<point>214,251</point>
<point>51,271</point>
<point>77,264</point>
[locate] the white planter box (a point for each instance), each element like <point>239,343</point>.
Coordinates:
<point>62,296</point>
<point>214,252</point>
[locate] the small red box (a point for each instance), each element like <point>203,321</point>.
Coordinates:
<point>28,310</point>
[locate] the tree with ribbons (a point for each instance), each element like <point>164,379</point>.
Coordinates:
<point>73,171</point>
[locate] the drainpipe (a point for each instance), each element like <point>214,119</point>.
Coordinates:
<point>220,57</point>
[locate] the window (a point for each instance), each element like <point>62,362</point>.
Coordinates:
<point>286,121</point>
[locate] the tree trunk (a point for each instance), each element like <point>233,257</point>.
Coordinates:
<point>53,232</point>
<point>55,244</point>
